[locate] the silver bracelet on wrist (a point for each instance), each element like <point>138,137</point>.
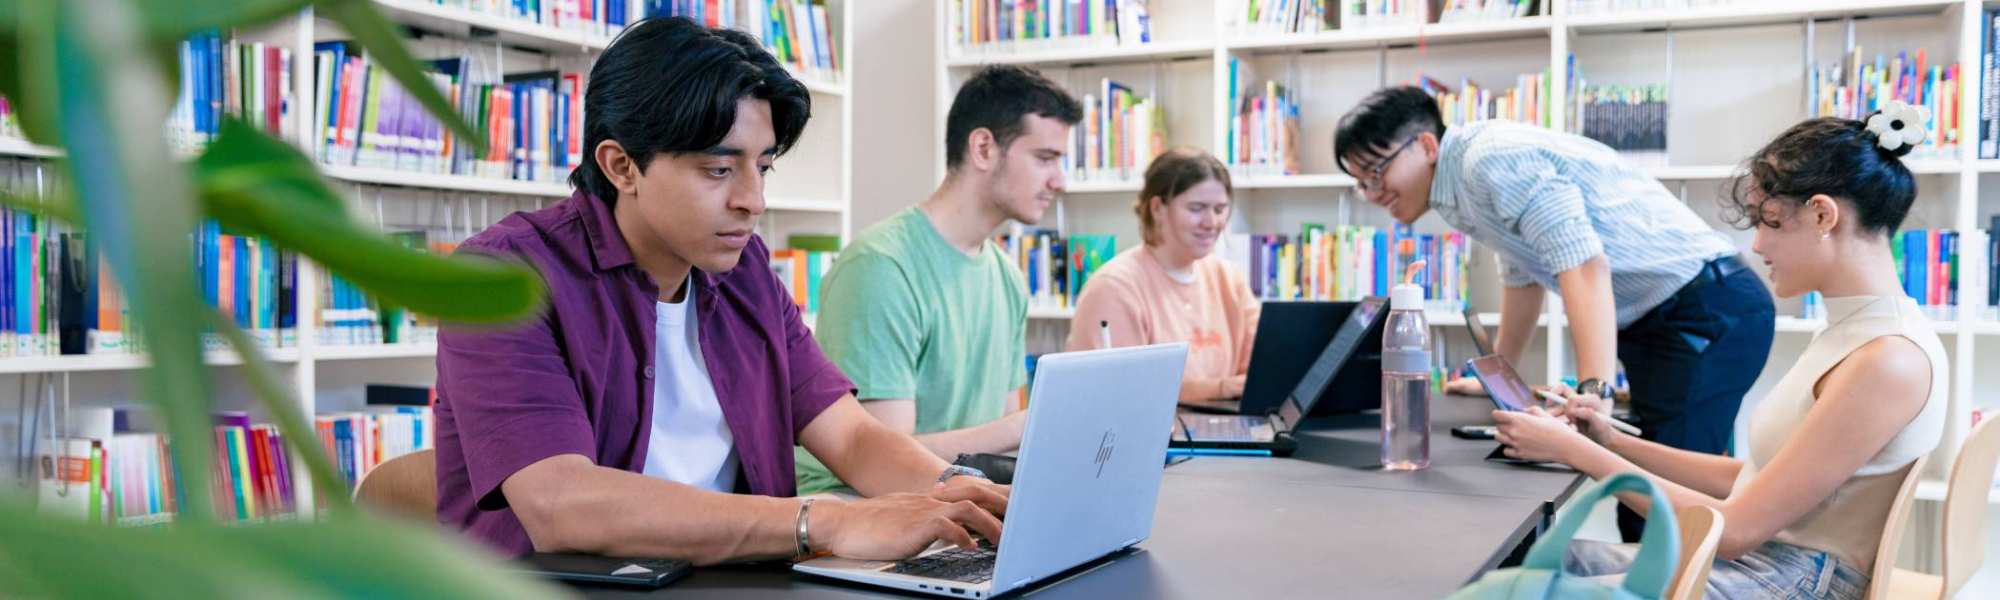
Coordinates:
<point>805,548</point>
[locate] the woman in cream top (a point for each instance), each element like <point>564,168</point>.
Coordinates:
<point>1173,288</point>
<point>1828,446</point>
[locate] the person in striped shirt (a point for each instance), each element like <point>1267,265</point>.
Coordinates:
<point>1643,280</point>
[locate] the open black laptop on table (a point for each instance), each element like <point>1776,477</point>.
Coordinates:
<point>1271,429</point>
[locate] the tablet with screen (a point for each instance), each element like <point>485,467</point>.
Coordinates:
<point>1502,384</point>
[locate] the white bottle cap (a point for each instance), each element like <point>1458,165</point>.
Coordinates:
<point>1406,296</point>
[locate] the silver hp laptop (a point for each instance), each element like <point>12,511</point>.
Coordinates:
<point>1085,485</point>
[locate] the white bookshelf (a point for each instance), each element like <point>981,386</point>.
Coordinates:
<point>1723,108</point>
<point>809,192</point>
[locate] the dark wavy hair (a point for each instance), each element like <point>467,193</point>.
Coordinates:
<point>671,86</point>
<point>1836,157</point>
<point>997,99</point>
<point>1383,121</point>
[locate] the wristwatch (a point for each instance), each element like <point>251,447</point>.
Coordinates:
<point>1594,387</point>
<point>957,470</point>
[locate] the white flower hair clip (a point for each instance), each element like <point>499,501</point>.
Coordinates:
<point>1899,124</point>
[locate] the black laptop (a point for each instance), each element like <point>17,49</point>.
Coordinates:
<point>1271,428</point>
<point>1291,334</point>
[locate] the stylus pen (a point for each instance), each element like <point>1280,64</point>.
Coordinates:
<point>1103,334</point>
<point>1216,452</point>
<point>1615,423</point>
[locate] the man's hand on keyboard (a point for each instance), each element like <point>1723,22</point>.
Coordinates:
<point>898,526</point>
<point>988,495</point>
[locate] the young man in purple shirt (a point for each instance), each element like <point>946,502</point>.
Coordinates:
<point>652,407</point>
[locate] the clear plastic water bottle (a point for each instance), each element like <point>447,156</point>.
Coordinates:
<point>1406,382</point>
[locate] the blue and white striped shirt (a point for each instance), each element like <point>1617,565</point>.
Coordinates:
<point>1548,201</point>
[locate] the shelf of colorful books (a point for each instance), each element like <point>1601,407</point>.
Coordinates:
<point>1397,35</point>
<point>21,147</point>
<point>1746,13</point>
<point>81,363</point>
<point>1067,52</point>
<point>1280,182</point>
<point>439,181</point>
<point>374,351</point>
<point>479,25</point>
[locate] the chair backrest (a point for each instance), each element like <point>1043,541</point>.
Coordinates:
<point>1701,532</point>
<point>405,486</point>
<point>1965,505</point>
<point>1892,530</point>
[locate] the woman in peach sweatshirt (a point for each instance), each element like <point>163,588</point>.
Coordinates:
<point>1172,289</point>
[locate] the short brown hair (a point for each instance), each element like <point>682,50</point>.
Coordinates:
<point>1172,173</point>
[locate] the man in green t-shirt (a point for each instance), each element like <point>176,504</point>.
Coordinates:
<point>923,312</point>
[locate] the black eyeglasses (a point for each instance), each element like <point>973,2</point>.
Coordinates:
<point>1375,174</point>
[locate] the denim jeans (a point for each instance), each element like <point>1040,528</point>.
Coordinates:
<point>1774,570</point>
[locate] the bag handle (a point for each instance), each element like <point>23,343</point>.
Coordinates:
<point>1659,547</point>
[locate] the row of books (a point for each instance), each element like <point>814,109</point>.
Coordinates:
<point>531,123</point>
<point>110,472</point>
<point>798,32</point>
<point>802,263</point>
<point>1363,14</point>
<point>1853,88</point>
<point>1288,16</point>
<point>1989,84</point>
<point>228,78</point>
<point>349,316</point>
<point>1013,25</point>
<point>1264,134</point>
<point>1458,11</point>
<point>1602,7</point>
<point>1629,118</point>
<point>594,17</point>
<point>1056,267</point>
<point>1349,262</point>
<point>1120,134</point>
<point>1526,102</point>
<point>57,296</point>
<point>1927,263</point>
<point>251,280</point>
<point>360,441</point>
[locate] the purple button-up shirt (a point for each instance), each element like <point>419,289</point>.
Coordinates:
<point>578,379</point>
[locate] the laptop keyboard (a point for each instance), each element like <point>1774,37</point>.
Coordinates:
<point>955,564</point>
<point>1228,428</point>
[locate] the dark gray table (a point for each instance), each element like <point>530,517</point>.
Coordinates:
<point>1325,523</point>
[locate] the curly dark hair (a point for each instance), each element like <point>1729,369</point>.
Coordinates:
<point>1832,156</point>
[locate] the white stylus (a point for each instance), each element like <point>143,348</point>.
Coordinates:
<point>1615,423</point>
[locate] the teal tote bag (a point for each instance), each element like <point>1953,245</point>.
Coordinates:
<point>1541,576</point>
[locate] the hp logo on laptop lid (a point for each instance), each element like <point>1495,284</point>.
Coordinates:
<point>1104,448</point>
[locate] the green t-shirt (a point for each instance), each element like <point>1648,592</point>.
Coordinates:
<point>907,315</point>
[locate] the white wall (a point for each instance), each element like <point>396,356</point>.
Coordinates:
<point>896,137</point>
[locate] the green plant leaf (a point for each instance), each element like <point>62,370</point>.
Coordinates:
<point>60,208</point>
<point>284,409</point>
<point>252,182</point>
<point>384,45</point>
<point>355,557</point>
<point>89,58</point>
<point>176,19</point>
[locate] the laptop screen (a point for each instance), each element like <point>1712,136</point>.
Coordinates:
<point>1345,341</point>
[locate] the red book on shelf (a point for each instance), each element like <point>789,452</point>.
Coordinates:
<point>273,99</point>
<point>260,467</point>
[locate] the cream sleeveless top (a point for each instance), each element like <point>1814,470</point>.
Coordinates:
<point>1848,524</point>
